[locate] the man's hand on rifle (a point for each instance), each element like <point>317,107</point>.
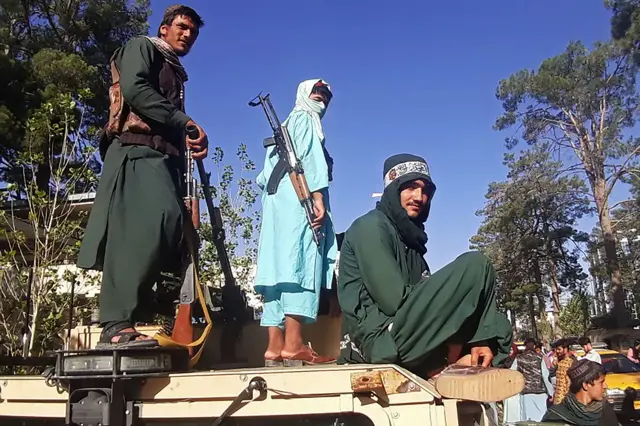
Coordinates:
<point>319,210</point>
<point>200,146</point>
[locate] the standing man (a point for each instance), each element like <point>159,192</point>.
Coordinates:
<point>395,311</point>
<point>589,352</point>
<point>531,403</point>
<point>135,230</point>
<point>565,361</point>
<point>291,268</point>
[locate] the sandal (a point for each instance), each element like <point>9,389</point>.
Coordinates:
<point>127,339</point>
<point>306,356</point>
<point>273,362</point>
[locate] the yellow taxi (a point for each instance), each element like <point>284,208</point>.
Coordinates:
<point>621,374</point>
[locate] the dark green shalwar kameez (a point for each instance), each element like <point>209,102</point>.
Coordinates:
<point>394,311</point>
<point>135,229</point>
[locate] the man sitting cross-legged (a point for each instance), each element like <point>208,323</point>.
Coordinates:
<point>395,311</point>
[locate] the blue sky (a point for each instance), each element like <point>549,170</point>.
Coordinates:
<point>407,76</point>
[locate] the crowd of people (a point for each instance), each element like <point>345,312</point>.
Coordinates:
<point>560,385</point>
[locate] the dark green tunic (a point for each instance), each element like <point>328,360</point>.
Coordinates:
<point>395,312</point>
<point>135,228</point>
<point>572,412</point>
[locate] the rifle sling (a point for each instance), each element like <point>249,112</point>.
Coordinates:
<point>167,341</point>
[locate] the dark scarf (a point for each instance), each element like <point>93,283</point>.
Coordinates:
<point>411,231</point>
<point>399,169</point>
<point>573,411</point>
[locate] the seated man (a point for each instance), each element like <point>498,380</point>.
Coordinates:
<point>585,404</point>
<point>395,311</point>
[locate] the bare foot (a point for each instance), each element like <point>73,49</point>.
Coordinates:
<point>435,372</point>
<point>289,351</point>
<point>454,350</point>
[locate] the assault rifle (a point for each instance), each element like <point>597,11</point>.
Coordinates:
<point>181,329</point>
<point>233,299</point>
<point>288,162</point>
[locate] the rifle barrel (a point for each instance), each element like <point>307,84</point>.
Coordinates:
<point>216,225</point>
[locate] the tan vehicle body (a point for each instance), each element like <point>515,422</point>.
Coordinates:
<point>323,395</point>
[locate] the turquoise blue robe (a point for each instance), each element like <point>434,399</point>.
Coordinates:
<point>291,268</point>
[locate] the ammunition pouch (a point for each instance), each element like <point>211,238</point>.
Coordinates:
<point>129,126</point>
<point>121,118</point>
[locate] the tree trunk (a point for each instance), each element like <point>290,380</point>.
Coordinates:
<point>513,319</point>
<point>601,305</point>
<point>598,185</point>
<point>553,283</point>
<point>34,323</point>
<point>542,306</point>
<point>532,316</point>
<point>553,278</point>
<point>555,296</point>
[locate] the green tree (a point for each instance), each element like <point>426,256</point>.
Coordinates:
<point>54,80</point>
<point>41,232</point>
<point>625,24</point>
<point>574,317</point>
<point>234,192</point>
<point>529,231</point>
<point>579,104</point>
<point>626,225</point>
<point>49,48</point>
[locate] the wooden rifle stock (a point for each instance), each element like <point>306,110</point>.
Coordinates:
<point>183,331</point>
<point>183,328</point>
<point>300,185</point>
<point>195,212</point>
<point>232,296</point>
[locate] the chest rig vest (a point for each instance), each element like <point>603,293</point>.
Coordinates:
<point>529,364</point>
<point>130,127</point>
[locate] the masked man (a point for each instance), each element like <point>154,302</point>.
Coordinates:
<point>291,269</point>
<point>395,311</point>
<point>135,230</point>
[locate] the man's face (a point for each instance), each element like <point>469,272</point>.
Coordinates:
<point>414,197</point>
<point>561,352</point>
<point>596,390</point>
<point>181,34</point>
<point>318,97</point>
<point>587,347</point>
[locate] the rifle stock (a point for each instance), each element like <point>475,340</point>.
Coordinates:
<point>183,328</point>
<point>233,298</point>
<point>183,331</point>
